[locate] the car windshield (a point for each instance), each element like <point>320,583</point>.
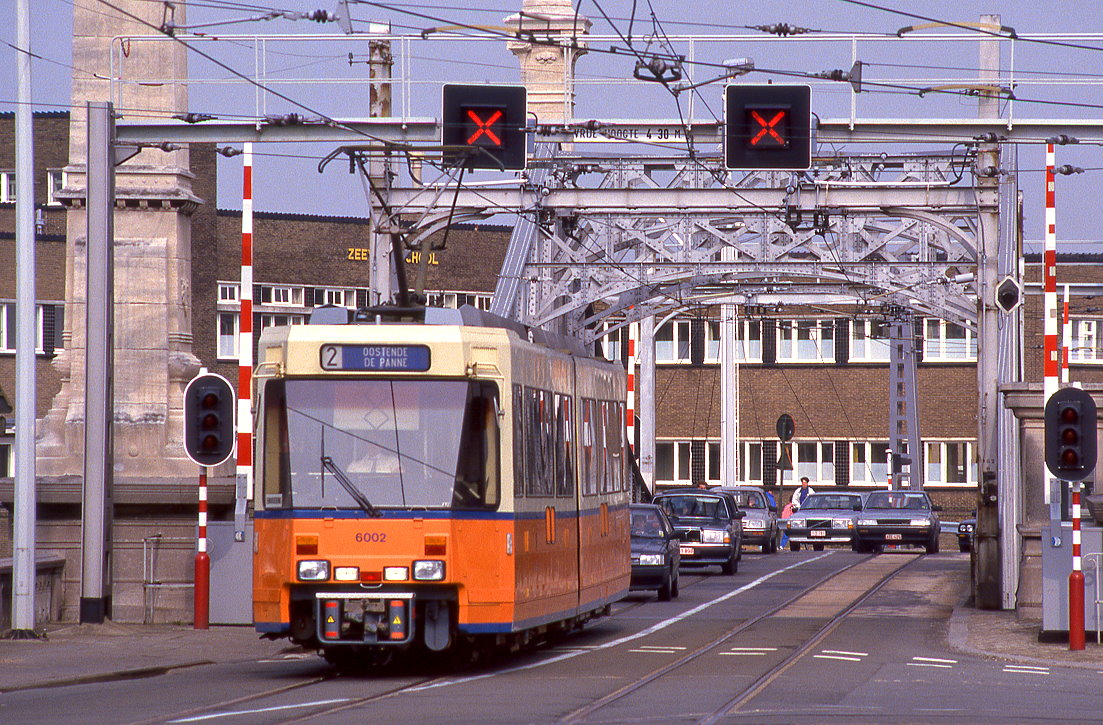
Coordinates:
<point>647,524</point>
<point>898,500</point>
<point>688,505</point>
<point>832,501</point>
<point>749,499</point>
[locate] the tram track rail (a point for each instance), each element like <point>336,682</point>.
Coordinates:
<point>762,682</point>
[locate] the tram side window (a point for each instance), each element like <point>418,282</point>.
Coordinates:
<point>477,471</point>
<point>564,445</point>
<point>616,447</point>
<point>539,463</point>
<point>277,454</point>
<point>518,441</point>
<point>589,443</point>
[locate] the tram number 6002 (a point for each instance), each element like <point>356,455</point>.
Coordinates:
<point>366,537</point>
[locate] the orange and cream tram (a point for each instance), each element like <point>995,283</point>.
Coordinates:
<point>456,480</point>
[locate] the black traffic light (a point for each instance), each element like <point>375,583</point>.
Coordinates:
<point>209,431</point>
<point>768,127</point>
<point>483,127</point>
<point>1008,294</point>
<point>1070,434</point>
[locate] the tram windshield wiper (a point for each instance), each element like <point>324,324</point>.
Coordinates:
<point>357,494</point>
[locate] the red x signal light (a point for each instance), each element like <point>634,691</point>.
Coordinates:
<point>483,127</point>
<point>768,127</point>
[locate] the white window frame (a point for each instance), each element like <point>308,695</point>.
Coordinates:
<point>613,344</point>
<point>7,187</point>
<point>815,459</point>
<point>678,349</point>
<point>228,292</point>
<point>870,341</point>
<point>935,463</point>
<point>455,300</point>
<point>748,341</point>
<point>795,337</point>
<point>1085,340</point>
<point>268,319</point>
<point>937,347</point>
<point>873,469</point>
<point>39,321</point>
<point>682,457</point>
<point>339,297</point>
<point>61,178</point>
<point>235,344</point>
<point>282,295</point>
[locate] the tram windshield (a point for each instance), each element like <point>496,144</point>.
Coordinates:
<point>399,443</point>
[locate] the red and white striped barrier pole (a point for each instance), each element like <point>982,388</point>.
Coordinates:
<point>245,339</point>
<point>630,409</point>
<point>1050,361</point>
<point>1065,338</point>
<point>1076,578</point>
<point>202,560</point>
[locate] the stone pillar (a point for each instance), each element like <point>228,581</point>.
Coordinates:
<point>154,201</point>
<point>547,70</point>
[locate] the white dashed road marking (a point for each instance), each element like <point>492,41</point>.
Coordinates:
<point>1026,669</point>
<point>749,651</point>
<point>932,662</point>
<point>836,654</point>
<point>656,649</point>
<point>236,713</point>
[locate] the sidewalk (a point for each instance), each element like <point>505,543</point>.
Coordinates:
<point>82,653</point>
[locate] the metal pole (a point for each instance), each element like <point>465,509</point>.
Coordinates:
<point>1076,578</point>
<point>245,349</point>
<point>647,401</point>
<point>23,569</point>
<point>98,403</point>
<point>202,561</point>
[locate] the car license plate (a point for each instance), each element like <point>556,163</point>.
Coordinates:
<point>817,532</point>
<point>685,550</point>
<point>893,537</point>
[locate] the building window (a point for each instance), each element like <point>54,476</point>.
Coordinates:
<point>951,464</point>
<point>614,345</point>
<point>55,182</point>
<point>339,297</point>
<point>227,291</point>
<point>1085,345</point>
<point>748,341</point>
<point>868,464</point>
<point>268,320</point>
<point>455,300</point>
<point>805,341</point>
<point>869,341</point>
<point>712,462</point>
<point>7,187</point>
<point>813,459</point>
<point>672,459</point>
<point>946,341</point>
<point>8,327</point>
<point>281,295</point>
<point>6,462</point>
<point>228,333</point>
<point>672,342</point>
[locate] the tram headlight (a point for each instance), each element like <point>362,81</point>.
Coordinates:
<point>313,570</point>
<point>396,573</point>
<point>713,536</point>
<point>651,559</point>
<point>428,570</point>
<point>346,573</point>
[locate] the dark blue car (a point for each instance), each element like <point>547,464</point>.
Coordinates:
<point>655,556</point>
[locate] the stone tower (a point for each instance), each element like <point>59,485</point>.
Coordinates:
<point>547,70</point>
<point>153,340</point>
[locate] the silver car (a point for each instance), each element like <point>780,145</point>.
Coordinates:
<point>760,526</point>
<point>825,518</point>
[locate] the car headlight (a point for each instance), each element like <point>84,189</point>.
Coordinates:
<point>796,523</point>
<point>842,523</point>
<point>920,522</point>
<point>965,529</point>
<point>754,524</point>
<point>428,570</point>
<point>651,559</point>
<point>712,536</point>
<point>867,522</point>
<point>313,570</point>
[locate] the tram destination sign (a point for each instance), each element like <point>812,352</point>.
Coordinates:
<point>376,358</point>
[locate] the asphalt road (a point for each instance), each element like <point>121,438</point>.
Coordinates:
<point>793,637</point>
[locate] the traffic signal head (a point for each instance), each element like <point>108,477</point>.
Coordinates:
<point>1008,294</point>
<point>1070,420</point>
<point>768,127</point>
<point>209,430</point>
<point>483,127</point>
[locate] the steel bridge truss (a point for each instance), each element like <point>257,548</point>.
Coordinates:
<point>606,241</point>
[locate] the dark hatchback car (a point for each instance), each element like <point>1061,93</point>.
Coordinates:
<point>708,525</point>
<point>655,556</point>
<point>825,518</point>
<point>965,532</point>
<point>898,518</point>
